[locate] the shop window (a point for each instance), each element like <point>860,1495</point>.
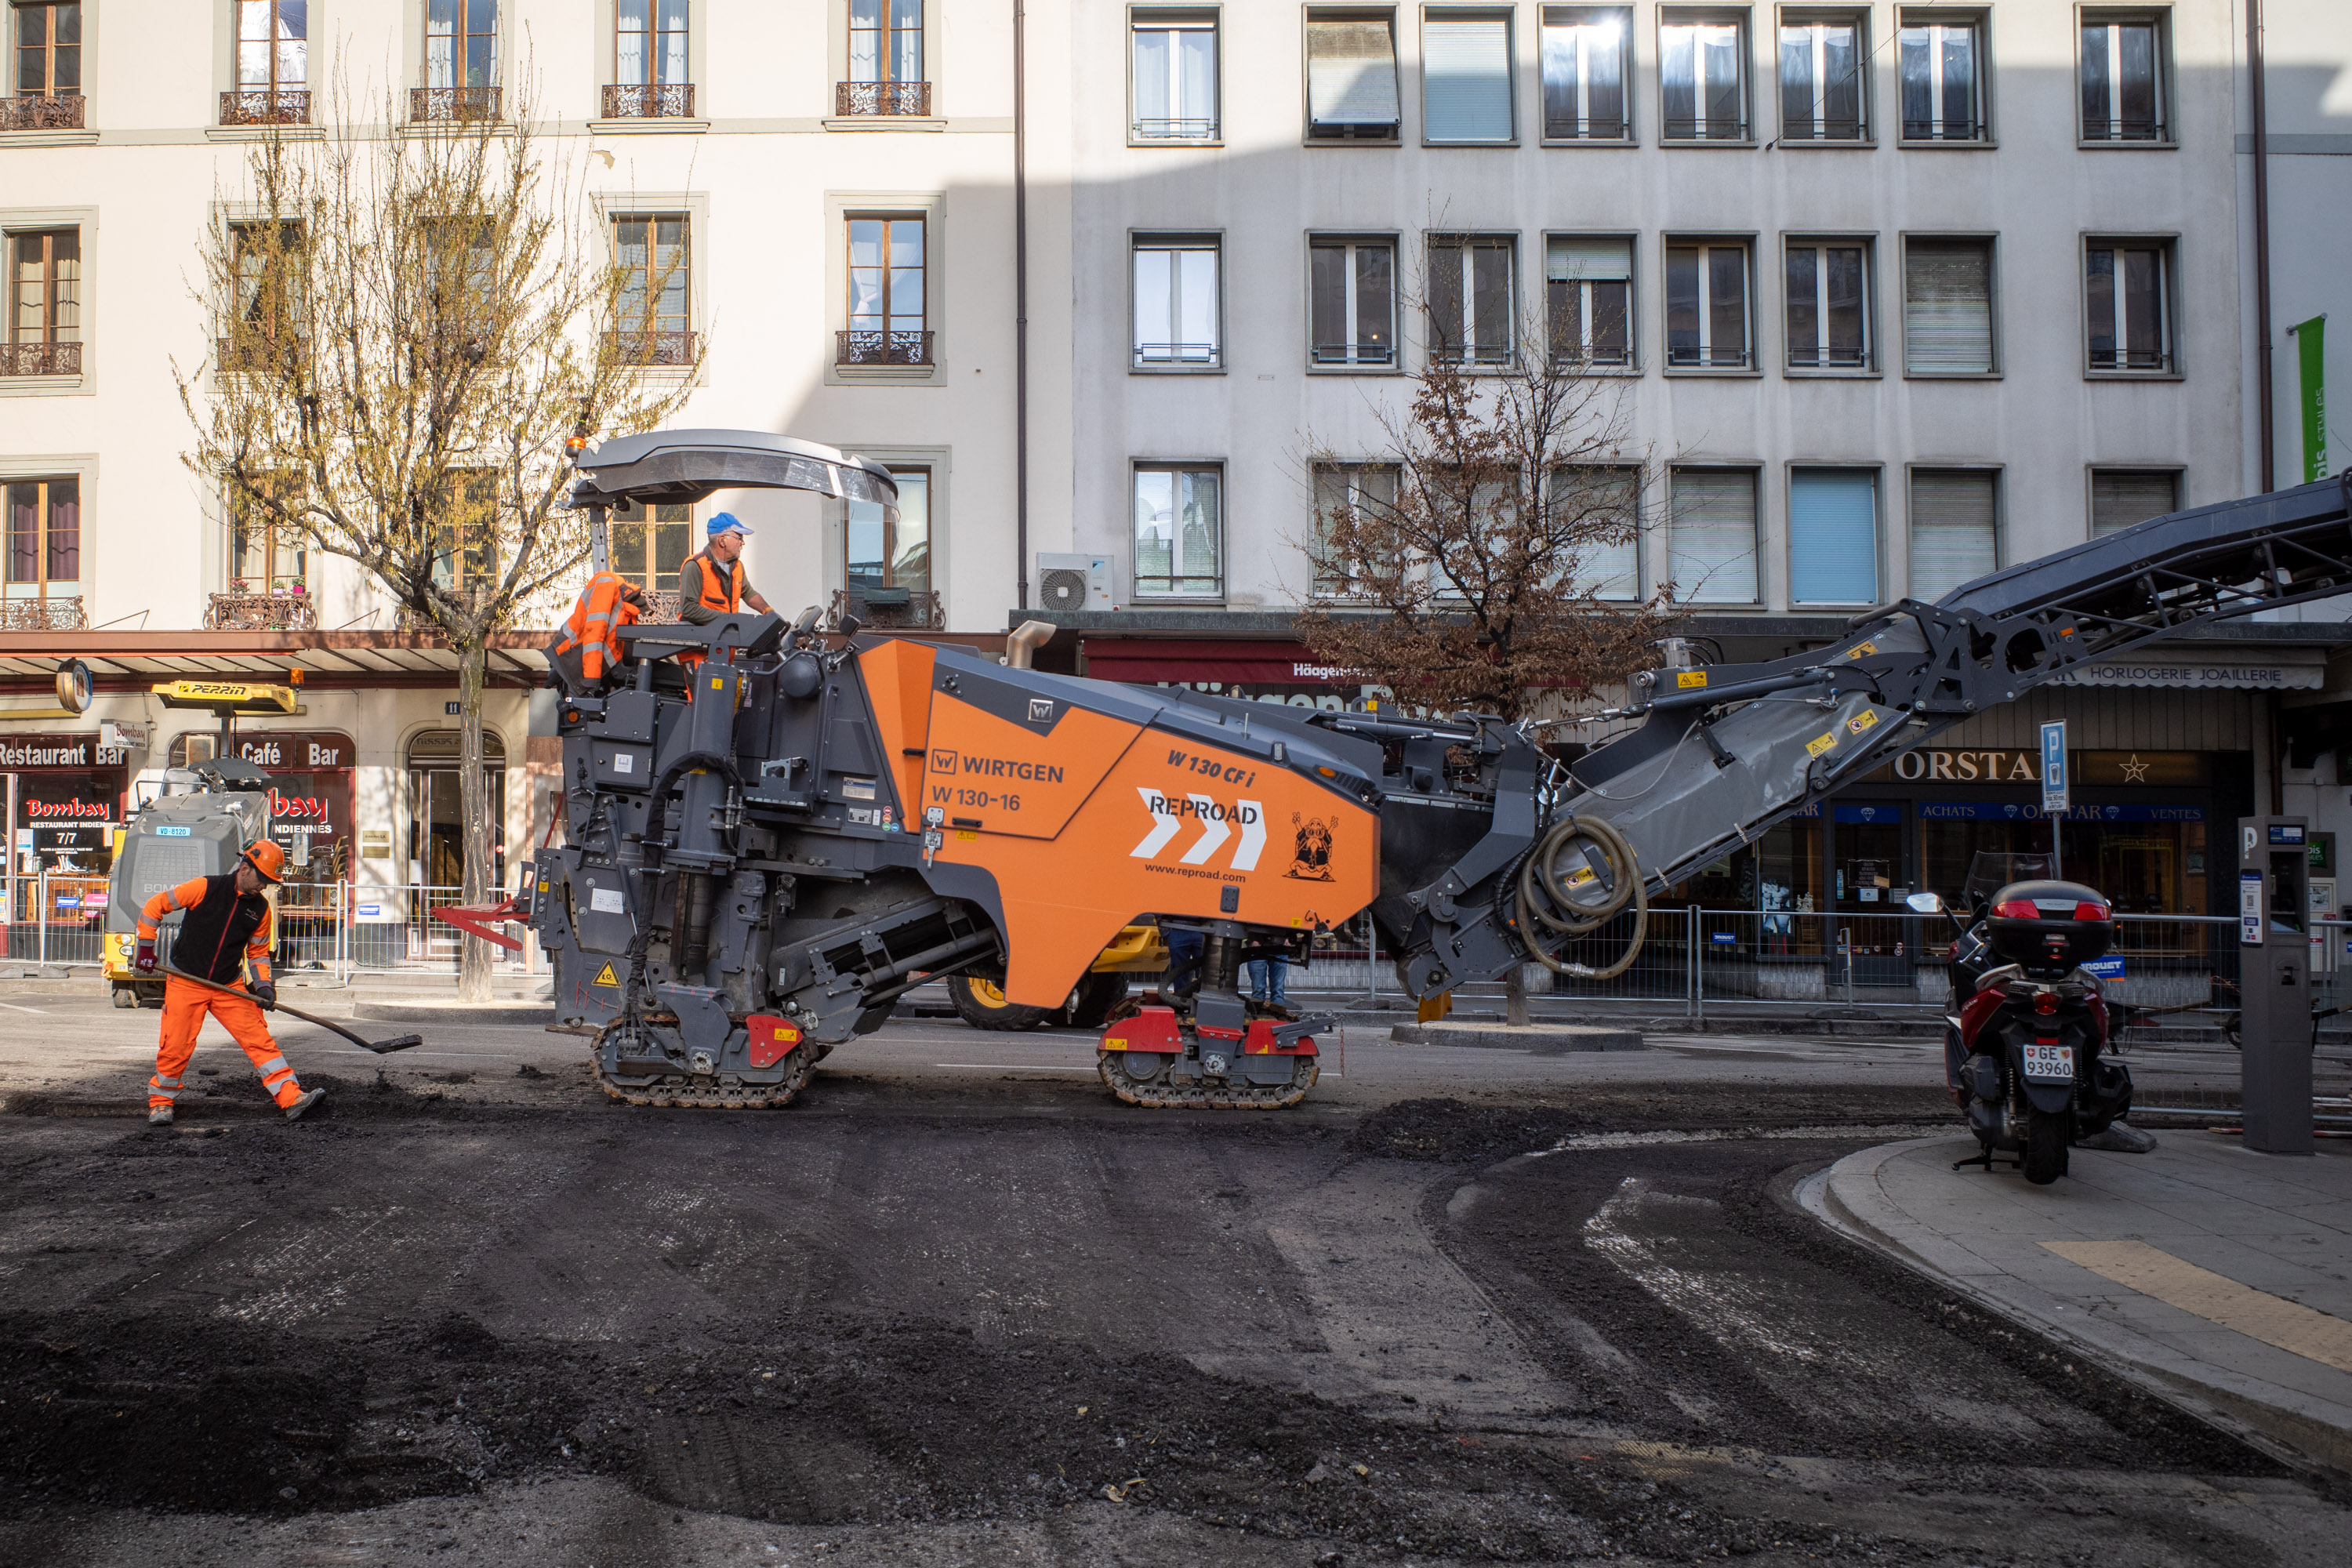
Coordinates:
<point>436,822</point>
<point>1788,886</point>
<point>650,544</point>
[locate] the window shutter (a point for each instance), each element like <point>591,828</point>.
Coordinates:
<point>1952,538</point>
<point>1351,76</point>
<point>1589,261</point>
<point>2121,500</point>
<point>1466,80</point>
<point>1834,537</point>
<point>1711,538</point>
<point>1947,308</point>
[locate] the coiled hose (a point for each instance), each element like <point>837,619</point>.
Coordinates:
<point>1577,900</point>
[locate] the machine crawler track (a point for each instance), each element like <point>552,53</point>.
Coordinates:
<point>721,1091</point>
<point>1159,1093</point>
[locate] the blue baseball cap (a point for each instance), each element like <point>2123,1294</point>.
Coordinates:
<point>727,522</point>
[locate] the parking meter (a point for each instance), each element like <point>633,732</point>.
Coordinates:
<point>2275,982</point>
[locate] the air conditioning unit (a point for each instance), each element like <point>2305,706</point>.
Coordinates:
<point>1071,582</point>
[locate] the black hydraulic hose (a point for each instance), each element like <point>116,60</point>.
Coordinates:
<point>1555,900</point>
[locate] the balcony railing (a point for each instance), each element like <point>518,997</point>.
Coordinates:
<point>58,614</point>
<point>656,100</point>
<point>1683,356</point>
<point>28,113</point>
<point>883,348</point>
<point>40,358</point>
<point>661,606</point>
<point>251,351</point>
<point>260,612</point>
<point>650,348</point>
<point>851,98</point>
<point>904,609</point>
<point>266,106</point>
<point>452,105</point>
<point>1174,131</point>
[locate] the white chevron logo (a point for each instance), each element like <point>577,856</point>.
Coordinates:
<point>1217,823</point>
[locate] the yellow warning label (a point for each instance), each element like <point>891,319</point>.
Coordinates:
<point>1691,678</point>
<point>605,976</point>
<point>1828,742</point>
<point>1863,649</point>
<point>1862,721</point>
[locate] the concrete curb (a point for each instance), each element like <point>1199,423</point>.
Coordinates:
<point>466,1013</point>
<point>1846,1197</point>
<point>1538,1040</point>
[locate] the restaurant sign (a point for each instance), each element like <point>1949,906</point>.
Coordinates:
<point>49,753</point>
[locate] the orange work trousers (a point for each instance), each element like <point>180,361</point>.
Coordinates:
<point>184,1009</point>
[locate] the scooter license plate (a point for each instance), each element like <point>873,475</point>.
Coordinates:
<point>2048,1063</point>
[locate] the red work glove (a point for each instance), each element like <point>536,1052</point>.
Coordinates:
<point>145,962</point>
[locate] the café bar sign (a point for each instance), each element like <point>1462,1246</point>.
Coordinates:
<point>2015,765</point>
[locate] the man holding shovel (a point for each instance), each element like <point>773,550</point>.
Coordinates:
<point>228,925</point>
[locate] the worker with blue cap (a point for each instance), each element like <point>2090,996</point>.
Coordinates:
<point>710,584</point>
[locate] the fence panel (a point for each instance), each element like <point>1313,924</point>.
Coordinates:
<point>1811,958</point>
<point>393,930</point>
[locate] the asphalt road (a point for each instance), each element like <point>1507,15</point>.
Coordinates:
<point>958,1306</point>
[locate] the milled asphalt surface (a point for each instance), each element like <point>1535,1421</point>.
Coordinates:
<point>958,1306</point>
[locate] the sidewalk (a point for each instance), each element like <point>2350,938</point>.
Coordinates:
<point>2221,1278</point>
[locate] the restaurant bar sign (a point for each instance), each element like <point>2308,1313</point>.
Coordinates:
<point>2017,765</point>
<point>51,753</point>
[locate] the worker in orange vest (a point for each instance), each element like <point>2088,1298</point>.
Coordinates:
<point>711,584</point>
<point>228,926</point>
<point>588,649</point>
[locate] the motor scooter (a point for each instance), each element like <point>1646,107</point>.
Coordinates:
<point>2027,1045</point>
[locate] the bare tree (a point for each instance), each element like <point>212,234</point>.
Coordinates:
<point>1487,562</point>
<point>412,321</point>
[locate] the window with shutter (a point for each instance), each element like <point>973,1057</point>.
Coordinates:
<point>1601,510</point>
<point>2124,498</point>
<point>1953,528</point>
<point>1465,78</point>
<point>1833,536</point>
<point>1711,535</point>
<point>1589,299</point>
<point>1948,307</point>
<point>1351,78</point>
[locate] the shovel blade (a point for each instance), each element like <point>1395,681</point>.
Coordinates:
<point>397,1043</point>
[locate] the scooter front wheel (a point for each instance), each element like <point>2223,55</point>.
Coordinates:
<point>2046,1136</point>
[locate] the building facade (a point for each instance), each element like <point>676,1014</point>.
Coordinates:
<point>1887,294</point>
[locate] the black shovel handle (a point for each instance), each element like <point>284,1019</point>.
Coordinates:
<point>399,1043</point>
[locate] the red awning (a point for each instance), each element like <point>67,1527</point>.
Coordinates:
<point>1150,662</point>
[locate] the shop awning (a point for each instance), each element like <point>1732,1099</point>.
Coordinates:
<point>1149,661</point>
<point>135,661</point>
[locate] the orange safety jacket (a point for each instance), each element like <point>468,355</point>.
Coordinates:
<point>222,926</point>
<point>720,589</point>
<point>606,606</point>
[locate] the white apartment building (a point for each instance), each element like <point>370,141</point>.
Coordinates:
<point>1896,292</point>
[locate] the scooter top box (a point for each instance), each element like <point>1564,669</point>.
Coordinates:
<point>2050,925</point>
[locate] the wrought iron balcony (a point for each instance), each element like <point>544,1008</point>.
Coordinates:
<point>452,105</point>
<point>63,113</point>
<point>656,100</point>
<point>266,106</point>
<point>59,615</point>
<point>883,348</point>
<point>902,609</point>
<point>650,348</point>
<point>249,611</point>
<point>40,358</point>
<point>661,606</point>
<point>852,98</point>
<point>251,351</point>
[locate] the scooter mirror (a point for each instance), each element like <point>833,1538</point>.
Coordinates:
<point>1925,903</point>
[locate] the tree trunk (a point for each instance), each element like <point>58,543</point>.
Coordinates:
<point>474,804</point>
<point>1514,994</point>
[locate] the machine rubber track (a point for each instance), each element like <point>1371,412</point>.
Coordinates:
<point>1158,1094</point>
<point>685,1091</point>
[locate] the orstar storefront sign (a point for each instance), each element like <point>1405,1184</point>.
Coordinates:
<point>2013,765</point>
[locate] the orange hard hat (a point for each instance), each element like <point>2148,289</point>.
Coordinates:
<point>266,859</point>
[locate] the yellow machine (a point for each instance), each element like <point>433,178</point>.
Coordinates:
<point>980,1000</point>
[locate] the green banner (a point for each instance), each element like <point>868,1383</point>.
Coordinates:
<point>2311,341</point>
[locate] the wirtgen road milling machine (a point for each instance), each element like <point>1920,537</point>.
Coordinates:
<point>770,838</point>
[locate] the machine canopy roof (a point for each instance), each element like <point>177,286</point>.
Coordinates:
<point>671,465</point>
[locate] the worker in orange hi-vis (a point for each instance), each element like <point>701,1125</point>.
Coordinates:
<point>227,927</point>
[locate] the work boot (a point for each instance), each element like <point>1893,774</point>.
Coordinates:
<point>302,1102</point>
<point>160,1117</point>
